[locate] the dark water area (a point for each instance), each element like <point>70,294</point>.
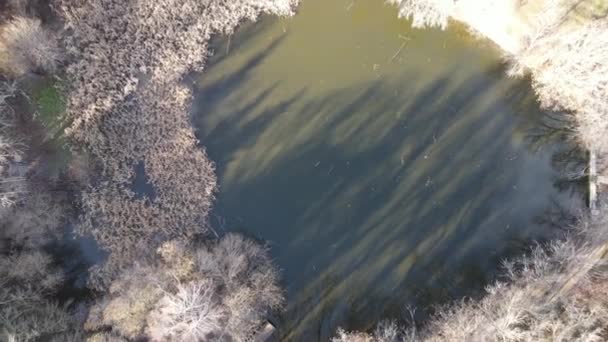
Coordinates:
<point>386,167</point>
<point>74,255</point>
<point>141,186</point>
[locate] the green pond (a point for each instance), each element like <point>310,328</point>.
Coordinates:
<point>385,166</point>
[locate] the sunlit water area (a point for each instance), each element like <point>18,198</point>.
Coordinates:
<point>385,166</point>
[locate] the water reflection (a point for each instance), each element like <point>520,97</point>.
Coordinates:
<point>379,181</point>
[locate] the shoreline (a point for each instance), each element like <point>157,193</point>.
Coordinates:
<point>507,24</point>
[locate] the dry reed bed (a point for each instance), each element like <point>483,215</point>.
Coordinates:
<point>127,106</point>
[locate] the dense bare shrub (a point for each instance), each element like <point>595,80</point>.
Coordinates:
<point>352,336</point>
<point>250,278</point>
<point>137,112</point>
<point>26,46</point>
<point>425,13</point>
<point>104,337</point>
<point>221,292</point>
<point>556,293</point>
<point>194,313</point>
<point>36,219</point>
<point>570,72</point>
<point>386,331</point>
<point>27,279</point>
<point>12,179</point>
<point>25,317</point>
<point>30,267</point>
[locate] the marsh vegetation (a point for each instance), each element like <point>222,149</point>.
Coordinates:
<point>325,172</point>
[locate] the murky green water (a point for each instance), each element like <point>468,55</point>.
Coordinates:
<point>385,166</point>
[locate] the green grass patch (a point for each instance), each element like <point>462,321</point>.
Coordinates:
<point>51,105</point>
<point>49,101</point>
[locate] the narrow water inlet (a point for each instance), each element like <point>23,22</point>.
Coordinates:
<point>141,186</point>
<point>386,166</point>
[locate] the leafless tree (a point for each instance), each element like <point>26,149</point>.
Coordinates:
<point>387,331</point>
<point>425,13</point>
<point>11,183</point>
<point>221,292</point>
<point>194,313</point>
<point>26,46</point>
<point>570,72</point>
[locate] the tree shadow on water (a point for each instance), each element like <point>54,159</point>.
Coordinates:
<point>378,195</point>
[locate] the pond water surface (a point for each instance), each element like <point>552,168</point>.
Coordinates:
<point>385,166</point>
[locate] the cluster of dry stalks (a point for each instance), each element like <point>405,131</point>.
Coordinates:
<point>25,45</point>
<point>127,107</point>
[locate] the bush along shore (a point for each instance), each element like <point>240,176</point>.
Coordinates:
<point>557,292</point>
